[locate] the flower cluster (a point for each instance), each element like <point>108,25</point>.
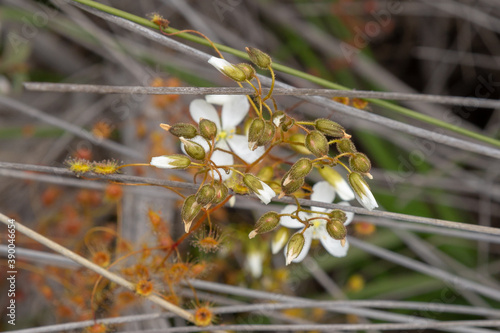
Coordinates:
<point>226,153</point>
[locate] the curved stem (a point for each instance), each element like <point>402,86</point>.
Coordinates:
<point>325,83</point>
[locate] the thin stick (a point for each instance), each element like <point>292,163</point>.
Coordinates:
<point>455,281</point>
<point>106,89</point>
<point>305,202</point>
<point>90,265</point>
<point>12,104</point>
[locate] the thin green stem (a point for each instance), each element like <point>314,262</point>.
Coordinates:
<point>282,68</point>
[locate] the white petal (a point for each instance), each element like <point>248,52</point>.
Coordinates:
<point>266,194</point>
<point>254,264</point>
<point>323,192</point>
<point>344,190</point>
<point>217,99</point>
<point>333,246</point>
<point>219,63</point>
<point>367,200</point>
<point>289,222</point>
<point>163,162</point>
<point>234,111</point>
<point>350,215</point>
<point>199,108</point>
<point>221,158</point>
<point>305,249</point>
<point>239,145</point>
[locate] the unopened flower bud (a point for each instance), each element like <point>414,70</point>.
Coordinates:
<point>190,209</point>
<point>193,149</point>
<point>221,192</point>
<point>336,229</point>
<point>279,240</point>
<point>255,132</point>
<point>362,191</point>
<point>267,134</point>
<point>261,189</point>
<point>300,169</point>
<point>248,70</point>
<point>346,146</point>
<point>208,129</point>
<point>266,173</point>
<point>171,162</point>
<point>294,247</point>
<point>329,128</point>
<point>228,69</point>
<point>258,57</point>
<point>267,222</point>
<point>299,148</point>
<point>205,195</point>
<point>359,162</point>
<point>338,214</point>
<point>293,186</point>
<point>278,118</point>
<point>316,143</point>
<point>184,130</point>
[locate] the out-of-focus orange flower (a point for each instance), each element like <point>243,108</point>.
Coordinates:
<point>161,101</point>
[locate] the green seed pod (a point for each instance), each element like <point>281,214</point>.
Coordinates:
<point>267,134</point>
<point>221,192</point>
<point>205,195</point>
<point>346,146</point>
<point>336,229</point>
<point>248,70</point>
<point>255,132</point>
<point>193,149</point>
<point>329,128</point>
<point>267,222</point>
<point>295,246</point>
<point>189,210</point>
<point>293,186</point>
<point>300,169</point>
<point>208,129</point>
<point>184,130</point>
<point>258,57</point>
<point>359,162</point>
<point>316,143</point>
<point>338,214</point>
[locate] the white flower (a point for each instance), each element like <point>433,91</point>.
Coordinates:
<point>234,110</point>
<point>338,182</point>
<point>266,193</point>
<point>254,262</point>
<point>261,189</point>
<point>323,192</point>
<point>362,191</point>
<point>228,69</point>
<point>366,199</point>
<point>220,64</point>
<point>170,162</point>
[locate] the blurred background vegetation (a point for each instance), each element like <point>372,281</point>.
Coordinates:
<point>445,47</point>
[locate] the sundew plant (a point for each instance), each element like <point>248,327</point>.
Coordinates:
<point>165,180</point>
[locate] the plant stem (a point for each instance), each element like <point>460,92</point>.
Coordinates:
<point>90,265</point>
<point>285,69</point>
